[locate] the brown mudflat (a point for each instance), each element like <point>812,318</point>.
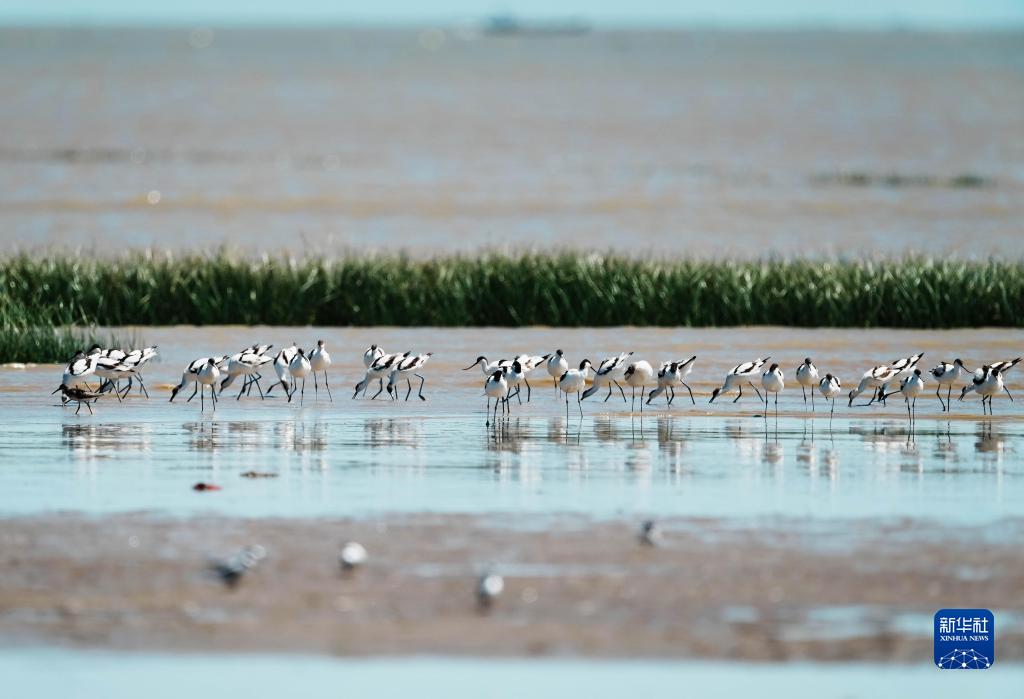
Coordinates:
<point>788,589</point>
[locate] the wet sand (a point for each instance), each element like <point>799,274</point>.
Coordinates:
<point>784,590</point>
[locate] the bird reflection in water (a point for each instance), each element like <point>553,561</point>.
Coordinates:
<point>86,439</point>
<point>392,432</point>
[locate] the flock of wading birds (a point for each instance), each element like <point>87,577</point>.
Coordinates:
<point>504,378</point>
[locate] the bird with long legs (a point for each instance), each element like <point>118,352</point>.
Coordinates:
<point>495,387</point>
<point>556,366</point>
<point>406,367</point>
<point>574,381</point>
<point>910,388</point>
<point>807,377</point>
<point>638,375</point>
<point>319,360</point>
<point>190,376</point>
<point>670,374</point>
<point>738,375</point>
<point>78,395</point>
<point>987,385</point>
<point>380,368</point>
<point>772,381</point>
<point>608,373</point>
<point>1003,367</point>
<point>207,376</point>
<point>904,367</point>
<point>875,379</point>
<point>282,369</point>
<point>246,364</point>
<point>530,363</point>
<point>830,387</point>
<point>946,374</point>
<point>299,367</point>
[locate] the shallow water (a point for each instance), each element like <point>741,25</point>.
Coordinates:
<point>703,142</point>
<point>365,457</point>
<point>76,673</point>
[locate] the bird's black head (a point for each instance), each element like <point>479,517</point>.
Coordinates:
<point>828,376</point>
<point>714,394</point>
<point>958,362</point>
<point>917,372</point>
<point>300,352</point>
<point>373,348</point>
<point>773,367</point>
<point>558,352</point>
<point>584,364</point>
<point>320,343</point>
<point>210,361</point>
<point>517,367</point>
<point>497,375</point>
<point>807,361</point>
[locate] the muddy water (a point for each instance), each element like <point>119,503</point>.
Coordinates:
<point>704,142</point>
<point>368,457</point>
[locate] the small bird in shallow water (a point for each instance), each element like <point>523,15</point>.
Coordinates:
<point>739,374</point>
<point>650,533</point>
<point>352,556</point>
<point>807,377</point>
<point>489,587</point>
<point>230,570</point>
<point>946,374</point>
<point>79,395</point>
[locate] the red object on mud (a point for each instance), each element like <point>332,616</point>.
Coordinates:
<point>205,486</point>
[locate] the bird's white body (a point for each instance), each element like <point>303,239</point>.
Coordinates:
<point>405,368</point>
<point>496,386</point>
<point>912,386</point>
<point>773,380</point>
<point>948,373</point>
<point>738,375</point>
<point>299,366</point>
<point>556,366</point>
<point>209,374</point>
<point>78,370</point>
<point>488,588</point>
<point>352,555</point>
<point>610,370</point>
<point>319,358</point>
<point>380,368</point>
<point>830,387</point>
<point>807,375</point>
<point>874,378</point>
<point>282,367</point>
<point>638,375</point>
<point>372,353</point>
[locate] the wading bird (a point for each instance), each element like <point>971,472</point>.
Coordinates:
<point>372,353</point>
<point>298,367</point>
<point>282,368</point>
<point>946,374</point>
<point>488,368</point>
<point>904,367</point>
<point>830,387</point>
<point>739,374</point>
<point>207,376</point>
<point>670,374</point>
<point>1003,367</point>
<point>489,587</point>
<point>80,367</point>
<point>380,368</point>
<point>556,366</point>
<point>190,376</point>
<point>875,378</point>
<point>608,373</point>
<point>79,395</point>
<point>246,364</point>
<point>638,375</point>
<point>319,360</point>
<point>910,389</point>
<point>773,382</point>
<point>495,387</point>
<point>402,370</point>
<point>807,377</point>
<point>574,381</point>
<point>987,385</point>
<point>352,556</point>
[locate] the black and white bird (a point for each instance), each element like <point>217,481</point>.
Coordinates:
<point>319,360</point>
<point>875,378</point>
<point>609,372</point>
<point>747,373</point>
<point>409,366</point>
<point>946,374</point>
<point>79,369</point>
<point>807,377</point>
<point>830,387</point>
<point>1003,367</point>
<point>495,387</point>
<point>208,376</point>
<point>372,353</point>
<point>574,381</point>
<point>638,375</point>
<point>489,586</point>
<point>246,364</point>
<point>488,368</point>
<point>282,369</point>
<point>380,368</point>
<point>556,366</point>
<point>910,388</point>
<point>190,376</point>
<point>772,381</point>
<point>670,374</point>
<point>987,382</point>
<point>352,555</point>
<point>650,533</point>
<point>299,367</point>
<point>904,367</point>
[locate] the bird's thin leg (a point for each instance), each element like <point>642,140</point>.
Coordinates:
<point>316,388</point>
<point>329,396</point>
<point>302,396</point>
<point>529,391</point>
<point>88,405</point>
<point>668,399</point>
<point>632,405</point>
<point>407,393</point>
<point>738,395</point>
<point>423,381</point>
<point>518,391</point>
<point>494,418</point>
<point>804,389</point>
<point>202,399</point>
<point>567,409</point>
<point>620,390</point>
<point>609,392</point>
<point>579,403</point>
<point>1005,388</point>
<point>379,391</point>
<point>245,384</point>
<point>812,400</point>
<point>195,387</point>
<point>938,395</point>
<point>79,407</point>
<point>691,393</point>
<point>949,393</point>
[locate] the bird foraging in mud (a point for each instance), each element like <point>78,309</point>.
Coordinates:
<point>231,570</point>
<point>489,587</point>
<point>352,556</point>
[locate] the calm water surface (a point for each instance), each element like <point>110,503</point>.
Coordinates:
<point>363,457</point>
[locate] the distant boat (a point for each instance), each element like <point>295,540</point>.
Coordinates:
<point>508,25</point>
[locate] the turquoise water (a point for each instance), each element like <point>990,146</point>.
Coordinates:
<point>68,674</point>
